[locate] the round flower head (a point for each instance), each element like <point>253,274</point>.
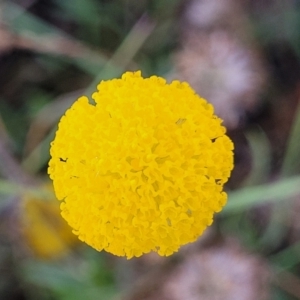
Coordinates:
<point>141,168</point>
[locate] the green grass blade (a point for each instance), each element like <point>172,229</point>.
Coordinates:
<point>274,192</point>
<point>291,162</point>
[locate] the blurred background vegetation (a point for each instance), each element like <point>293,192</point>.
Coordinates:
<point>242,55</point>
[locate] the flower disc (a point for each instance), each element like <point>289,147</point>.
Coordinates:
<point>142,168</point>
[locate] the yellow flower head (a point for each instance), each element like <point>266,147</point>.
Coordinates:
<point>44,231</point>
<point>142,168</point>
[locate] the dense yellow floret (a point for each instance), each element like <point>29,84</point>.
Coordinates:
<point>142,168</point>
